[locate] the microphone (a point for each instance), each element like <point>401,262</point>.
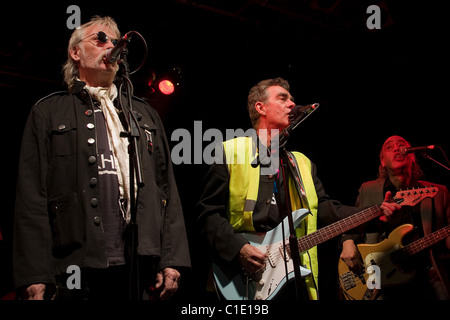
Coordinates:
<point>302,111</point>
<point>113,54</point>
<point>404,151</point>
<point>296,116</point>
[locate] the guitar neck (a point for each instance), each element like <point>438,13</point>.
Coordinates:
<point>326,233</point>
<point>427,241</point>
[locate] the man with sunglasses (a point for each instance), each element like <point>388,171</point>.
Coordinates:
<point>74,190</point>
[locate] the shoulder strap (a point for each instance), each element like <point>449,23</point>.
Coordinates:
<point>294,169</point>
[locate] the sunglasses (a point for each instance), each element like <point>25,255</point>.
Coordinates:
<point>101,38</point>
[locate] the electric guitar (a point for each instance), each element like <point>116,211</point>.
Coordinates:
<point>387,255</point>
<point>233,284</point>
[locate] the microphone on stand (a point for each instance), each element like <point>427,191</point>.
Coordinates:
<point>299,110</point>
<point>297,114</point>
<point>405,150</point>
<point>113,54</point>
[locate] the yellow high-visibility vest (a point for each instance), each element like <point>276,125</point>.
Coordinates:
<point>243,187</point>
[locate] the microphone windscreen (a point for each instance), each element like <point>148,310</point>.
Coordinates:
<point>294,112</point>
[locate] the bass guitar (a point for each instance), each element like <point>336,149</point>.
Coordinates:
<point>233,284</point>
<point>388,255</point>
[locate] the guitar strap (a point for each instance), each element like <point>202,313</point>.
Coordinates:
<point>311,258</point>
<point>297,178</point>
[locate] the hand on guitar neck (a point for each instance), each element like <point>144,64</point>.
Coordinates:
<point>388,207</point>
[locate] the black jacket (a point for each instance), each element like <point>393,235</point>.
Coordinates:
<point>57,212</point>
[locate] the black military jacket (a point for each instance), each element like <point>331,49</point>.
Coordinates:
<point>58,217</point>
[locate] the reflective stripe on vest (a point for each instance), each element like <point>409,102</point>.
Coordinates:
<point>243,189</point>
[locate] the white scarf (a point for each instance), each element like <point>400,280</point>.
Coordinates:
<point>118,144</point>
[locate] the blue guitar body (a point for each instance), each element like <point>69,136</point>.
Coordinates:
<point>266,284</point>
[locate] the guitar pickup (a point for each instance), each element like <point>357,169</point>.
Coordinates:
<point>348,280</point>
<point>285,251</point>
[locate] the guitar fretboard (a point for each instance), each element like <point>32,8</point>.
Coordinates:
<point>412,197</point>
<point>427,241</point>
<point>326,233</point>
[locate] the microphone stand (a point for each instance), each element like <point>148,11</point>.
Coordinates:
<point>304,112</point>
<point>135,174</point>
<point>427,156</point>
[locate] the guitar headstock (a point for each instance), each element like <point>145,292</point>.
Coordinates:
<point>414,196</point>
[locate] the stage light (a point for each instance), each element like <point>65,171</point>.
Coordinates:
<point>168,82</point>
<point>166,87</point>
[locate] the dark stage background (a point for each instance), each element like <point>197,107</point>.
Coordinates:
<point>370,83</point>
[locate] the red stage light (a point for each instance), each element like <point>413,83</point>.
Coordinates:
<point>166,87</point>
